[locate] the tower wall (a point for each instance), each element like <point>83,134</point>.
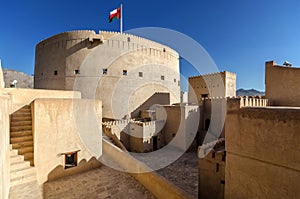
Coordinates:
<point>122,70</point>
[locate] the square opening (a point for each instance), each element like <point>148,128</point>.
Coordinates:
<point>162,77</point>
<point>124,72</point>
<point>55,72</point>
<point>104,71</point>
<point>140,74</point>
<point>76,72</point>
<point>71,159</point>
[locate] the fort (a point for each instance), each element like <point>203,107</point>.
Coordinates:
<point>99,98</point>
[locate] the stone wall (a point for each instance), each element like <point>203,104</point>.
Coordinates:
<point>136,136</point>
<point>62,126</point>
<point>262,146</point>
<point>212,165</point>
<point>5,106</point>
<point>136,69</point>
<point>221,84</point>
<point>181,124</point>
<point>282,84</point>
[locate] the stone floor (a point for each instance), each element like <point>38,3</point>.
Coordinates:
<point>103,182</point>
<point>99,183</point>
<point>183,173</point>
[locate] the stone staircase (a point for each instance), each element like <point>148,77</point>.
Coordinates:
<point>21,153</point>
<point>20,170</point>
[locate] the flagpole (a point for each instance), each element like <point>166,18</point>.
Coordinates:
<point>121,21</point>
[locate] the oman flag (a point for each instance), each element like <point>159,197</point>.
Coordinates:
<point>115,14</point>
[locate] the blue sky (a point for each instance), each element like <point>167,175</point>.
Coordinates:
<point>239,35</point>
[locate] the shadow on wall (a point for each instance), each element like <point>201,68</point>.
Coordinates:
<point>82,166</point>
<point>156,98</point>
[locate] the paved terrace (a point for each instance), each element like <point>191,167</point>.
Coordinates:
<point>184,173</point>
<point>102,182</point>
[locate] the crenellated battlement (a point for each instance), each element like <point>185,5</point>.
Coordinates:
<point>247,101</point>
<point>110,124</point>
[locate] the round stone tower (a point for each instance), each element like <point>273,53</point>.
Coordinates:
<point>128,73</point>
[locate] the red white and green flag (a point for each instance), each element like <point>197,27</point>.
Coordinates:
<point>115,14</point>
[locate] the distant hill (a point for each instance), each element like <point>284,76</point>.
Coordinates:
<point>24,80</point>
<point>250,92</point>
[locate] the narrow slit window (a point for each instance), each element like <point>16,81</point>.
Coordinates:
<point>104,71</point>
<point>55,72</point>
<point>175,80</point>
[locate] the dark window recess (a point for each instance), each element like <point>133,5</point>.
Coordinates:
<point>140,74</point>
<point>124,72</point>
<point>178,83</point>
<point>222,181</point>
<point>224,156</point>
<point>175,80</point>
<point>164,50</point>
<point>76,72</point>
<point>71,160</point>
<point>104,71</point>
<point>207,124</point>
<point>173,134</point>
<point>213,155</point>
<point>55,72</point>
<point>42,74</point>
<point>217,167</point>
<point>162,77</point>
<point>128,39</point>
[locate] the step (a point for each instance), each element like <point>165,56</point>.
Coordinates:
<point>19,166</point>
<point>16,158</point>
<point>20,123</point>
<point>28,156</point>
<point>20,133</point>
<point>24,150</point>
<point>20,128</point>
<point>22,173</point>
<point>13,152</point>
<point>22,144</point>
<point>31,161</point>
<point>22,180</point>
<point>21,139</point>
<point>22,111</point>
<point>15,118</point>
<point>21,114</point>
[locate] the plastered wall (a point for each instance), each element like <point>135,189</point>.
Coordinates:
<point>5,106</point>
<point>282,84</point>
<point>262,146</point>
<point>62,126</point>
<point>150,67</point>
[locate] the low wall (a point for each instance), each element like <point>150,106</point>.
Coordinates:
<point>5,106</point>
<point>58,130</point>
<point>21,96</point>
<point>156,184</point>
